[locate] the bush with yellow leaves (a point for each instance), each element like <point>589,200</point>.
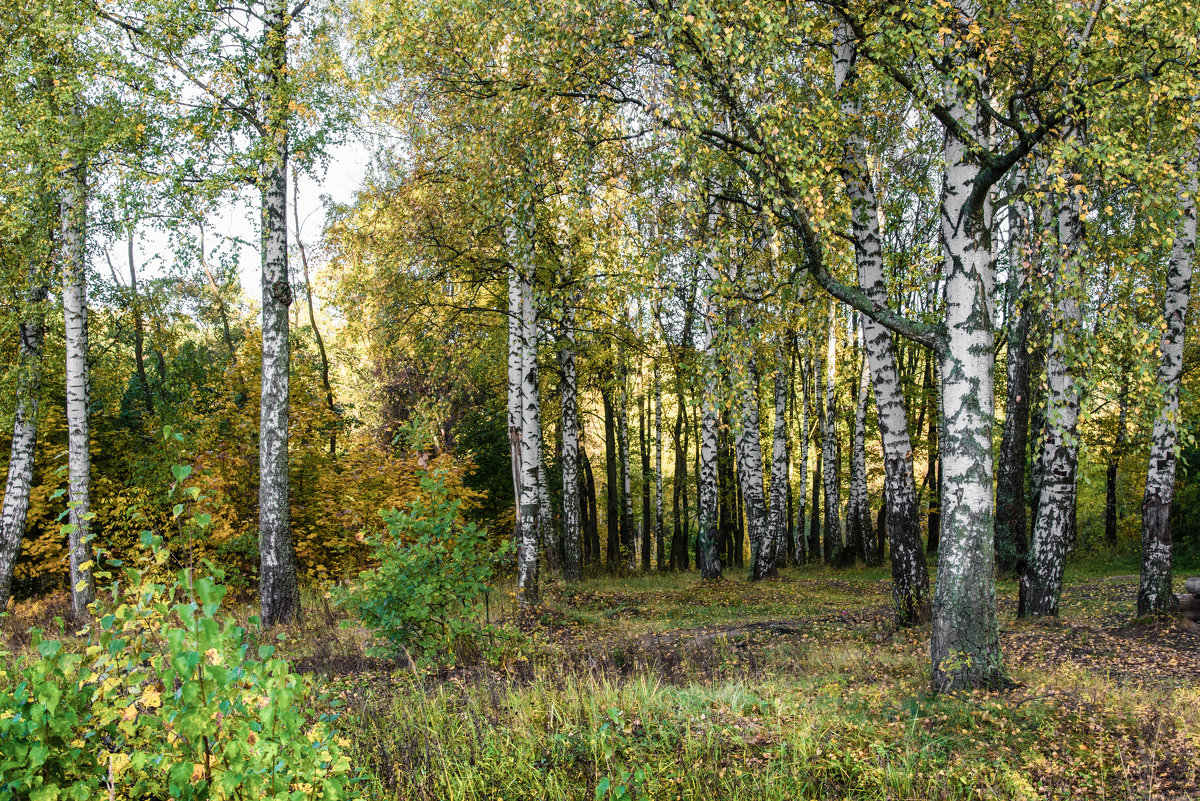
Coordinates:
<point>166,701</point>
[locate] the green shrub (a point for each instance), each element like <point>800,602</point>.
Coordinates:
<point>166,701</point>
<point>427,599</point>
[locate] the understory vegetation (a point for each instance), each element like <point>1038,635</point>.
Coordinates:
<point>663,687</point>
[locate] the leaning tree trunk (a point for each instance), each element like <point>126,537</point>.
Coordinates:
<point>778,516</point>
<point>572,547</point>
<point>658,473</point>
<point>1041,581</point>
<point>829,447</point>
<point>965,644</point>
<point>1010,537</point>
<point>910,576</point>
<point>709,522</point>
<point>751,480</point>
<point>1154,590</point>
<point>278,590</point>
<point>31,335</point>
<point>75,314</point>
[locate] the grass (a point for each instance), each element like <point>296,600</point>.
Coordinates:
<point>664,687</point>
<point>661,687</point>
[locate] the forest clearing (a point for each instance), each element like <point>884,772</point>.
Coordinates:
<point>606,399</point>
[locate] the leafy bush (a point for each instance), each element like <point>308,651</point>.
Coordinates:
<point>428,596</point>
<point>166,701</point>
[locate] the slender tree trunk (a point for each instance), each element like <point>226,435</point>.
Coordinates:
<point>709,512</point>
<point>277,557</point>
<point>739,543</point>
<point>910,576</point>
<point>658,473</point>
<point>75,313</point>
<point>777,517</point>
<point>551,545</point>
<point>1154,590</point>
<point>613,508</point>
<point>684,560</point>
<point>585,513</point>
<point>933,478</point>
<point>221,311</point>
<point>860,507</point>
<point>679,484</point>
<point>139,336</point>
<point>751,480</point>
<point>531,499</point>
<point>31,336</point>
<point>803,553</point>
<point>572,546</point>
<point>312,319</point>
<point>1041,581</point>
<point>628,532</point>
<point>1011,538</point>
<point>830,455</point>
<point>726,493</point>
<point>647,515</point>
<point>814,530</point>
<point>965,645</point>
<point>1114,462</point>
<point>593,522</point>
<point>516,383</point>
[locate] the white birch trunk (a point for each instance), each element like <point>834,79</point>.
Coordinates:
<point>278,589</point>
<point>860,509</point>
<point>910,576</point>
<point>31,336</point>
<point>572,544</point>
<point>802,555</point>
<point>1041,581</point>
<point>751,478</point>
<point>516,382</point>
<point>778,516</point>
<point>708,520</point>
<point>531,441</point>
<point>75,314</point>
<point>629,541</point>
<point>1154,590</point>
<point>829,449</point>
<point>965,644</point>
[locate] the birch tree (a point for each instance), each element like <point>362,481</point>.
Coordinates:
<point>708,515</point>
<point>1041,581</point>
<point>910,577</point>
<point>830,451</point>
<point>31,336</point>
<point>1154,587</point>
<point>73,213</point>
<point>573,552</point>
<point>1011,537</point>
<point>778,514</point>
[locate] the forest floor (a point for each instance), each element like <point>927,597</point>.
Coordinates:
<point>659,686</point>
